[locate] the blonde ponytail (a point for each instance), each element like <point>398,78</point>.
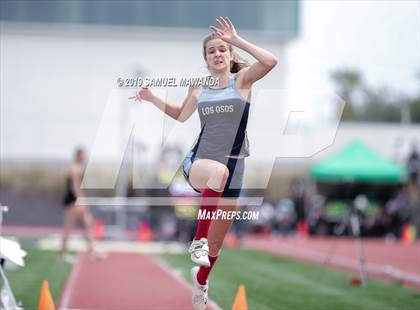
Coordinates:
<point>238,62</point>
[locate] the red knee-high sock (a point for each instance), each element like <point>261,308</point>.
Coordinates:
<point>208,197</point>
<point>203,272</point>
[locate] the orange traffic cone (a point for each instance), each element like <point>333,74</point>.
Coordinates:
<point>99,229</point>
<point>45,299</point>
<point>356,281</point>
<point>144,232</point>
<point>240,299</point>
<point>231,241</point>
<point>408,235</point>
<point>302,229</point>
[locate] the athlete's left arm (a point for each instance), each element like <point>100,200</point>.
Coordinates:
<point>265,60</point>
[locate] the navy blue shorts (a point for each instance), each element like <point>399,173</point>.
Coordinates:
<point>236,167</point>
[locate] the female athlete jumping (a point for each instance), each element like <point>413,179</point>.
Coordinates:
<point>215,164</point>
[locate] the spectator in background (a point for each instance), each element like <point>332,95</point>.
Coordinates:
<point>75,210</point>
<point>298,198</point>
<point>413,169</point>
<point>413,166</point>
<point>267,217</point>
<point>396,212</point>
<point>316,217</point>
<point>285,217</point>
<point>263,224</point>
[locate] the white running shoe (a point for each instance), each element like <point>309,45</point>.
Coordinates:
<point>200,292</point>
<point>68,258</point>
<point>95,256</point>
<point>199,250</point>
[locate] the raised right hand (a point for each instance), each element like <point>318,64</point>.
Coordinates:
<point>143,94</point>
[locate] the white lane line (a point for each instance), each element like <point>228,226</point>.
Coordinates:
<point>69,287</point>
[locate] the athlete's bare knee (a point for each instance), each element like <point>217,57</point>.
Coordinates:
<point>219,177</point>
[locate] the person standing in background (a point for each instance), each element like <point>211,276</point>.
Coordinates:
<point>75,210</point>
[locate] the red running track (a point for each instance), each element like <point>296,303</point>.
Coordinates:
<point>125,281</point>
<point>384,260</point>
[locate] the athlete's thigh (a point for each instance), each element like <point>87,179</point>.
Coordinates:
<point>83,213</point>
<point>70,215</point>
<point>201,170</point>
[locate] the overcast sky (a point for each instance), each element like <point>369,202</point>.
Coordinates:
<point>380,38</point>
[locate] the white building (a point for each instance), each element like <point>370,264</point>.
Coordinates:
<point>59,76</point>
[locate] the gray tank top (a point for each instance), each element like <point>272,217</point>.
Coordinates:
<point>224,116</point>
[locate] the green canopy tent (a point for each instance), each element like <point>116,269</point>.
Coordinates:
<point>358,163</point>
